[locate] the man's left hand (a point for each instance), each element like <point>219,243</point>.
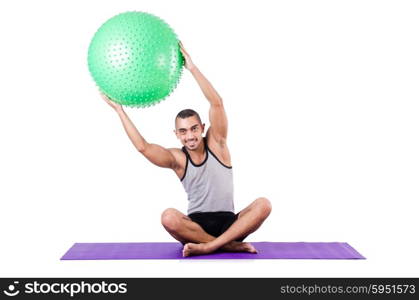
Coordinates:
<point>188,61</point>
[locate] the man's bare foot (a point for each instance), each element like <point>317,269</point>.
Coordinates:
<point>196,249</point>
<point>234,246</point>
<point>203,248</point>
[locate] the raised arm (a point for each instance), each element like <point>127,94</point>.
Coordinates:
<point>217,114</point>
<point>156,154</point>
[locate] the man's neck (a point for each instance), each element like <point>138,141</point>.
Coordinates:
<point>198,153</point>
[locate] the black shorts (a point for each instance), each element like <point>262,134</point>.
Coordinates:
<point>215,223</point>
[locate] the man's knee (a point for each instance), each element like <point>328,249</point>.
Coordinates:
<point>170,219</point>
<point>264,206</point>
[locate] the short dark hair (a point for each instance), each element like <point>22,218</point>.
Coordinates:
<point>186,113</point>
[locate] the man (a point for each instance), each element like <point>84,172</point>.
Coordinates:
<point>204,167</point>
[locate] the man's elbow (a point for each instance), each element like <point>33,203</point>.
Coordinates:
<point>142,148</point>
<point>217,102</point>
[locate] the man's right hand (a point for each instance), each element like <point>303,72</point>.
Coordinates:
<point>117,107</point>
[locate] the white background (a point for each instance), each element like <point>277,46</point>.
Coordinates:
<point>322,100</point>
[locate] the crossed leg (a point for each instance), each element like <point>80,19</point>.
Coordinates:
<point>183,229</point>
<point>198,241</point>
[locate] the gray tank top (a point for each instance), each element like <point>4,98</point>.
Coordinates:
<point>209,185</point>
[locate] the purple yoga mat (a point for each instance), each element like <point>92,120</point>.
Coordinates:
<point>266,250</point>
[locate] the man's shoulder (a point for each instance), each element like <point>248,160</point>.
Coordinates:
<point>215,141</point>
<point>179,157</point>
<point>175,151</point>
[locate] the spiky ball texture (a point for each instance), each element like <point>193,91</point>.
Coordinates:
<point>135,60</point>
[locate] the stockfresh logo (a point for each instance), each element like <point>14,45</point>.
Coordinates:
<point>71,289</point>
<point>12,289</point>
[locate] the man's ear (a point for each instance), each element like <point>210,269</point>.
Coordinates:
<point>203,126</point>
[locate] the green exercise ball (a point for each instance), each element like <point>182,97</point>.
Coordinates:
<point>135,59</point>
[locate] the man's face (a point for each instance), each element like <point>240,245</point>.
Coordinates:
<point>189,131</point>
